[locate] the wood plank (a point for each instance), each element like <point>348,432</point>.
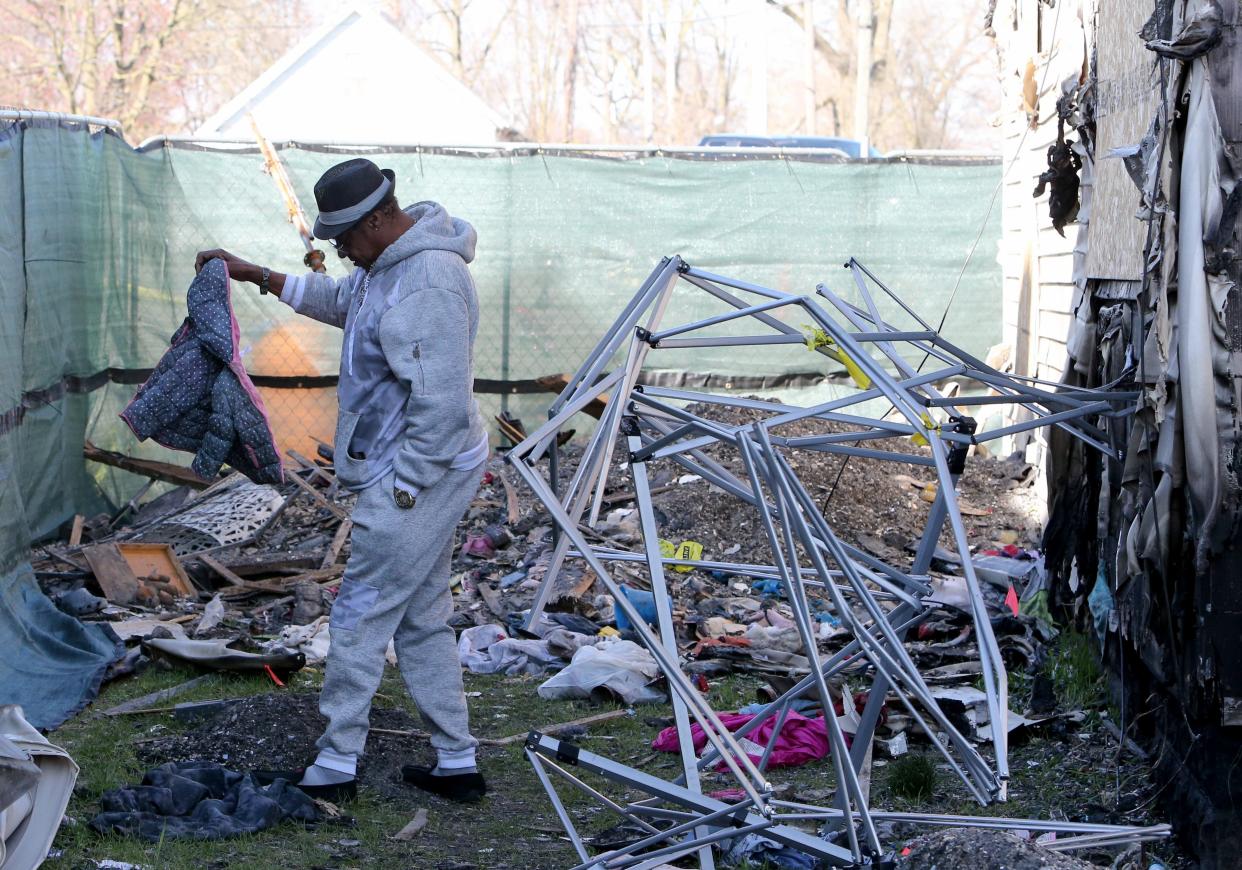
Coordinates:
<point>165,471</point>
<point>511,500</point>
<point>550,730</point>
<point>553,730</point>
<point>75,535</point>
<point>491,598</point>
<point>1056,269</point>
<point>283,584</point>
<point>271,605</point>
<point>1127,96</point>
<point>622,497</point>
<point>338,541</point>
<point>1054,327</point>
<point>315,494</point>
<point>148,559</point>
<point>65,560</point>
<point>312,466</point>
<point>558,382</point>
<point>221,571</point>
<point>115,578</point>
<point>272,563</point>
<point>1051,242</point>
<point>1225,66</point>
<point>1056,297</point>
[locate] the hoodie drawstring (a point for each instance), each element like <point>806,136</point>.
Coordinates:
<point>353,327</point>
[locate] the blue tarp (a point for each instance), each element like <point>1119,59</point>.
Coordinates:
<point>52,664</point>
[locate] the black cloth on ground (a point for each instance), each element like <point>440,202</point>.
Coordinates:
<point>199,800</point>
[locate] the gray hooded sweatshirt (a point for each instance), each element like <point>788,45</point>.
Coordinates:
<point>406,389</point>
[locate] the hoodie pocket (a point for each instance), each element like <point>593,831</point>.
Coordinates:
<point>417,381</point>
<point>351,470</point>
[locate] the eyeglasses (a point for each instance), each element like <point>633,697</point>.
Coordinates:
<point>339,244</point>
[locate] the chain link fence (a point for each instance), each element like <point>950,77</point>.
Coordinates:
<point>566,238</point>
<point>99,245</point>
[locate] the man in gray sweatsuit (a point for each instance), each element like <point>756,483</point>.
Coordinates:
<point>410,441</point>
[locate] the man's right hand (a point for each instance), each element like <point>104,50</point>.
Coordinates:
<point>241,270</point>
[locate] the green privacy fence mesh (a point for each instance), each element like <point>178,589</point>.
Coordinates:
<point>97,243</point>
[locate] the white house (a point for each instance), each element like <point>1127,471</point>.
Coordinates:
<point>358,80</point>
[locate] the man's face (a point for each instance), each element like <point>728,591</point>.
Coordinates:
<point>359,244</point>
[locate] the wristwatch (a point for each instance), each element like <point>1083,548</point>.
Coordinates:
<point>404,500</point>
<point>265,275</point>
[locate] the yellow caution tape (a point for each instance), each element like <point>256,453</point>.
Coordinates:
<point>816,338</point>
<point>929,424</point>
<point>667,549</point>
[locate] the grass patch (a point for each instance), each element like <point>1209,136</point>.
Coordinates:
<point>913,777</point>
<point>1075,672</point>
<point>516,826</point>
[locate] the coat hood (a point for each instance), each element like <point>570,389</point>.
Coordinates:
<point>434,230</point>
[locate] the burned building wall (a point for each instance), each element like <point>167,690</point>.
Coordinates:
<point>1145,545</point>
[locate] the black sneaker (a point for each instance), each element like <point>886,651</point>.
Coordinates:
<point>462,787</point>
<point>333,792</point>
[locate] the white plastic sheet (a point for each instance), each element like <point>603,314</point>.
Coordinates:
<point>622,667</point>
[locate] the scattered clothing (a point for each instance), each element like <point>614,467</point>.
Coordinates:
<point>755,850</point>
<point>313,640</point>
<point>801,740</point>
<point>199,399</point>
<point>201,801</point>
<point>487,649</point>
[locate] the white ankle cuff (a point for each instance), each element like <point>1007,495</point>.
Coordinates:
<point>338,761</point>
<point>451,759</point>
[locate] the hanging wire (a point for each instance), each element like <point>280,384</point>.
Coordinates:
<point>978,236</point>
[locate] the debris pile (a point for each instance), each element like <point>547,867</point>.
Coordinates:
<point>879,610</point>
<point>232,561</point>
<point>855,609</point>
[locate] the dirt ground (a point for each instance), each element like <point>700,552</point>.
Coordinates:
<point>968,848</point>
<point>1068,770</point>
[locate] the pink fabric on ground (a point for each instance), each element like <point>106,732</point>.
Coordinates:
<point>801,739</point>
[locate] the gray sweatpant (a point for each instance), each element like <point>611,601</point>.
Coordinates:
<point>396,587</point>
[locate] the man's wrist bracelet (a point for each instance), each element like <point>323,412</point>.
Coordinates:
<point>265,275</point>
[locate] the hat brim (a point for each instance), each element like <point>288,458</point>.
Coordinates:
<point>326,231</point>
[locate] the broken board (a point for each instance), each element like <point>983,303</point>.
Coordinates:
<point>146,560</point>
<point>113,574</point>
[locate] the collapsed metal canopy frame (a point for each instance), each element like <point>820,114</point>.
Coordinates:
<point>875,602</point>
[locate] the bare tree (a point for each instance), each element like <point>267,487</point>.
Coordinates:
<point>137,61</point>
<point>558,69</point>
<point>463,32</point>
<point>836,44</point>
<point>941,98</point>
<point>930,80</point>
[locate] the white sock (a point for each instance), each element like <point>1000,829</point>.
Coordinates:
<point>451,762</point>
<point>330,768</point>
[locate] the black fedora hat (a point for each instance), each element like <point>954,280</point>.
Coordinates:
<point>347,192</point>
